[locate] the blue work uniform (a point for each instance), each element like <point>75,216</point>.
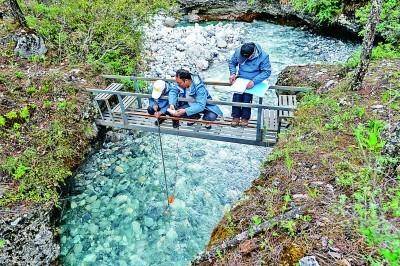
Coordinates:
<point>197,95</point>
<point>256,68</point>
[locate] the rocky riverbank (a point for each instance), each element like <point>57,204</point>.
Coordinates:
<point>168,47</point>
<point>275,10</point>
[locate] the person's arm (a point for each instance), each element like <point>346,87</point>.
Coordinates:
<point>173,95</point>
<point>233,62</point>
<point>163,105</point>
<point>265,68</point>
<point>200,101</point>
<point>153,104</point>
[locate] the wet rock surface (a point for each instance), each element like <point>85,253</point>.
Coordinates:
<point>28,236</point>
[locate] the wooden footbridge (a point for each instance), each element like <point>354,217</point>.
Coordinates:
<point>122,109</point>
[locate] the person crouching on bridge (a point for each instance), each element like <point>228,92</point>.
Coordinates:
<point>194,90</point>
<point>158,107</point>
<point>248,62</point>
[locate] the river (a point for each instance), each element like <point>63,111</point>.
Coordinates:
<point>118,212</point>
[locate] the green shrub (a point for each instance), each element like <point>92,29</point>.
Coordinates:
<point>256,220</point>
<point>369,136</point>
<point>24,113</point>
<point>62,105</point>
<point>382,51</point>
<point>324,10</point>
<point>12,115</point>
<point>389,27</point>
<point>2,121</point>
<point>19,75</point>
<point>105,34</point>
<point>387,50</point>
<point>31,90</point>
<point>47,104</point>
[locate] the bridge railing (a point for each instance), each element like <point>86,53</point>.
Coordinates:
<point>259,106</point>
<point>292,89</point>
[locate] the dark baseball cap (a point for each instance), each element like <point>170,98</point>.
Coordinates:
<point>247,49</point>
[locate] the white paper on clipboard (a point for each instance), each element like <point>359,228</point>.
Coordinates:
<point>239,86</point>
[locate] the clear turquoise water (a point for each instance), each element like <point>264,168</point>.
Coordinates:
<point>118,212</point>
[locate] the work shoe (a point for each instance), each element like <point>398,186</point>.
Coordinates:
<point>208,126</point>
<point>235,122</point>
<point>159,121</point>
<point>175,123</point>
<point>244,123</point>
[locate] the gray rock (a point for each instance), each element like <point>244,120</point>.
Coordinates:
<point>16,221</point>
<point>119,169</point>
<point>148,222</point>
<point>198,153</point>
<point>377,106</point>
<point>221,43</point>
<point>170,22</point>
<point>202,64</point>
<point>29,45</point>
<point>308,261</point>
<point>32,238</point>
<point>335,255</point>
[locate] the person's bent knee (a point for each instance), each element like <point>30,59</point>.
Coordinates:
<point>150,110</point>
<point>210,116</point>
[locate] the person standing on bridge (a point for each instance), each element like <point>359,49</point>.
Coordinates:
<point>193,88</point>
<point>158,107</point>
<point>248,62</point>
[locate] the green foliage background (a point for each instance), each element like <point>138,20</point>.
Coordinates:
<point>389,27</point>
<point>106,34</point>
<point>328,10</point>
<point>324,10</point>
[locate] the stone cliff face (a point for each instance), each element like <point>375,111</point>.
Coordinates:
<point>29,237</point>
<point>276,10</point>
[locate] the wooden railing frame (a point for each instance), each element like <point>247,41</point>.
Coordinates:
<point>145,95</point>
<point>260,107</point>
<point>292,89</point>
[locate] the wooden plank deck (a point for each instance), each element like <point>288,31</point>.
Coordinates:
<point>111,87</point>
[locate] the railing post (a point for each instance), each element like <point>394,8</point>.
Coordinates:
<point>136,88</point>
<point>96,104</point>
<point>259,119</point>
<point>121,103</point>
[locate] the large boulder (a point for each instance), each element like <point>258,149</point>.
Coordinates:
<point>29,45</point>
<point>320,77</point>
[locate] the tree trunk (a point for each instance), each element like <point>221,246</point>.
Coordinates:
<point>17,13</point>
<point>368,42</point>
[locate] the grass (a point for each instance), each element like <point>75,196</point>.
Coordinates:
<point>334,155</point>
<point>107,35</point>
<point>41,144</point>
